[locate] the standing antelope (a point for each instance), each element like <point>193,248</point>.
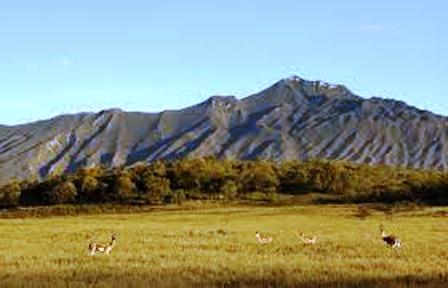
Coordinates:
<point>389,240</point>
<point>308,239</point>
<point>102,247</point>
<point>263,239</point>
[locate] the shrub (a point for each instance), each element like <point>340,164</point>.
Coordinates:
<point>176,197</point>
<point>123,187</point>
<point>10,194</point>
<point>229,189</point>
<point>259,176</point>
<point>89,188</point>
<point>156,188</point>
<point>63,192</point>
<point>293,178</point>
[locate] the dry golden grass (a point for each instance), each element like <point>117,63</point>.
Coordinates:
<point>215,246</point>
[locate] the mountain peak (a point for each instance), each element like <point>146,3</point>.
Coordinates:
<point>221,99</point>
<point>317,87</point>
<point>111,111</point>
<point>295,90</point>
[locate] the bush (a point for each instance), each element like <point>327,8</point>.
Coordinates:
<point>10,194</point>
<point>156,189</point>
<point>262,197</point>
<point>229,189</point>
<point>63,192</point>
<point>259,176</point>
<point>89,188</point>
<point>293,178</point>
<point>176,197</point>
<point>123,187</point>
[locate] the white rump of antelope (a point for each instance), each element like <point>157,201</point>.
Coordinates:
<point>263,239</point>
<point>308,239</point>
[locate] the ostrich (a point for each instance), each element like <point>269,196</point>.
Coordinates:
<point>389,240</point>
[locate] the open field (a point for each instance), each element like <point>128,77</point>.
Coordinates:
<point>215,246</point>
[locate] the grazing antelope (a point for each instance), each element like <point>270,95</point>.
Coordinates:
<point>308,239</point>
<point>263,239</point>
<point>389,240</point>
<point>102,247</point>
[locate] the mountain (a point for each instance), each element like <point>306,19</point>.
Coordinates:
<point>293,119</point>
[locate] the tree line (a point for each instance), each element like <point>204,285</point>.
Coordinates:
<point>210,178</point>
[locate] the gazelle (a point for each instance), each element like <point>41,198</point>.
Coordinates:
<point>263,239</point>
<point>102,247</point>
<point>389,240</point>
<point>308,239</point>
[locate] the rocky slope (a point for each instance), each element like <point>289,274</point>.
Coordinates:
<point>293,119</point>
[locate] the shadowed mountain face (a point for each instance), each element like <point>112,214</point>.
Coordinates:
<point>293,119</point>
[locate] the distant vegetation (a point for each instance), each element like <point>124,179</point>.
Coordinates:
<point>209,178</point>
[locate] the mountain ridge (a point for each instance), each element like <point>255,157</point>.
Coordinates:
<point>292,119</point>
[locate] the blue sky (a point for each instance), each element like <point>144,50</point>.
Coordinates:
<point>68,56</point>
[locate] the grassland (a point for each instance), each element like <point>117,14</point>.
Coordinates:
<point>215,246</point>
